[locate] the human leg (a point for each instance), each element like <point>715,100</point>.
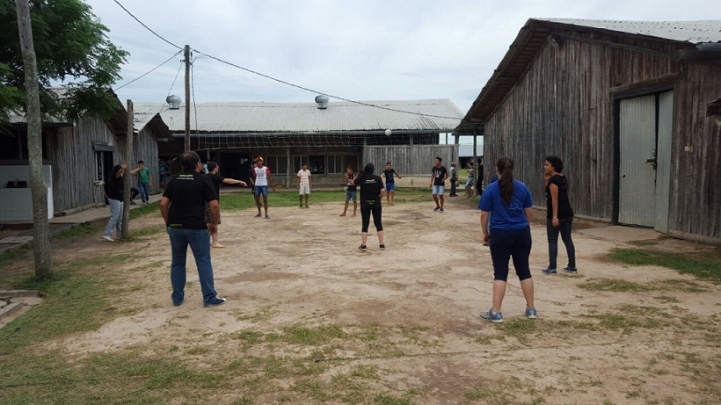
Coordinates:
<point>144,192</point>
<point>552,233</point>
<point>116,208</point>
<point>435,200</point>
<point>197,239</point>
<point>522,244</point>
<point>566,226</point>
<point>179,250</point>
<point>256,196</point>
<point>355,206</point>
<point>365,222</point>
<point>377,212</point>
<point>501,248</point>
<point>345,207</point>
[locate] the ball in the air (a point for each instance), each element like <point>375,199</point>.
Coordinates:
<point>388,132</point>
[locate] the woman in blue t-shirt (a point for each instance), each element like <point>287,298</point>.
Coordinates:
<point>510,203</point>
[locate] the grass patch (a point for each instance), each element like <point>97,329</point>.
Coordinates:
<point>613,285</point>
<point>13,255</point>
<point>76,231</point>
<point>152,208</point>
<point>706,266</point>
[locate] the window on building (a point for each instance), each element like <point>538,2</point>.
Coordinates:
<point>316,164</point>
<point>277,164</point>
<point>99,166</point>
<point>336,164</point>
<point>298,162</point>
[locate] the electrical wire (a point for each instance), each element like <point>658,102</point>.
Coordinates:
<point>148,72</point>
<point>283,81</point>
<point>192,89</point>
<point>176,78</point>
<point>146,27</point>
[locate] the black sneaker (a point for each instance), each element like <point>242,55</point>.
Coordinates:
<point>382,246</point>
<point>570,270</point>
<point>549,272</point>
<point>178,303</point>
<point>436,209</point>
<point>441,210</point>
<point>215,302</point>
<point>362,247</point>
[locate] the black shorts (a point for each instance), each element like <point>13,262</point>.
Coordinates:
<point>208,218</point>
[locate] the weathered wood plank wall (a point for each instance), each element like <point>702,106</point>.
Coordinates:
<point>563,106</point>
<point>71,152</point>
<point>145,148</point>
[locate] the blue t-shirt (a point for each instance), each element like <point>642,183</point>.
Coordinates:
<point>509,217</point>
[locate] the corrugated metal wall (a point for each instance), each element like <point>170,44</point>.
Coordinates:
<point>409,159</point>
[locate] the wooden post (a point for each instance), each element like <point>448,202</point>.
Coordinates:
<point>187,97</point>
<point>41,227</point>
<point>125,229</point>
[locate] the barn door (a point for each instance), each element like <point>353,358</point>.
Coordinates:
<point>644,159</point>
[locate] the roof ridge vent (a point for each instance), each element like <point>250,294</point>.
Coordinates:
<point>321,101</point>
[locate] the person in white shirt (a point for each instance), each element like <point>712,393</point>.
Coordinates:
<point>262,180</point>
<point>303,185</point>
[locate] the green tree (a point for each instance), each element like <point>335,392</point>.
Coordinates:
<point>72,51</point>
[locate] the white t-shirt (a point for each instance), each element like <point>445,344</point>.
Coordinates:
<point>304,176</point>
<point>261,176</point>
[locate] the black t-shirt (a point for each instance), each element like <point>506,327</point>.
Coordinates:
<point>217,181</point>
<point>564,206</point>
<point>188,193</point>
<point>115,188</point>
<point>388,173</point>
<point>351,184</point>
<point>439,174</point>
<point>370,189</point>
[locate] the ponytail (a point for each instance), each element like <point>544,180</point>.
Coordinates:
<point>505,170</point>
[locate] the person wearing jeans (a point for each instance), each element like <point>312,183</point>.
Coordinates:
<point>144,182</point>
<point>559,215</point>
<point>183,208</point>
<point>115,189</point>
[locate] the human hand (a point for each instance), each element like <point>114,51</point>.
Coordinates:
<point>555,222</point>
<point>123,165</point>
<point>486,238</point>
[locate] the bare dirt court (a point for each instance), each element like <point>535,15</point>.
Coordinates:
<point>298,290</point>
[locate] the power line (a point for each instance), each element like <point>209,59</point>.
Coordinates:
<point>192,87</point>
<point>283,81</point>
<point>146,27</point>
<point>148,72</point>
<point>176,78</point>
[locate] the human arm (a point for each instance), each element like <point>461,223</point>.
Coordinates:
<point>398,174</point>
<point>214,211</point>
<point>135,171</point>
<point>554,204</point>
<point>529,214</point>
<point>234,182</point>
<point>484,226</point>
<point>433,176</point>
<point>165,209</point>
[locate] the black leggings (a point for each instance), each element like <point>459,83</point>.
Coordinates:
<point>366,209</point>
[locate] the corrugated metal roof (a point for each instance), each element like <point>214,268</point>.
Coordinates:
<point>256,117</point>
<point>694,32</point>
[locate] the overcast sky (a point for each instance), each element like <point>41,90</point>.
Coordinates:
<point>360,50</point>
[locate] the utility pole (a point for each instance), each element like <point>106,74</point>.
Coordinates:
<point>41,227</point>
<point>187,97</point>
<point>128,178</point>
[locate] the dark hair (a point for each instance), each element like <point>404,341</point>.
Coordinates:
<point>211,166</point>
<point>189,161</point>
<point>439,158</point>
<point>368,171</point>
<point>556,162</point>
<point>387,163</point>
<point>505,182</point>
<point>349,167</point>
<point>140,162</point>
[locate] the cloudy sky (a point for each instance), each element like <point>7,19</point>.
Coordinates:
<point>360,50</point>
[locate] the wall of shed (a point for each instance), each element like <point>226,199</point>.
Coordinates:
<point>70,151</point>
<point>145,148</point>
<point>410,159</point>
<point>563,106</point>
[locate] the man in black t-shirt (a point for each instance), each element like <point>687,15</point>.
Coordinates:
<point>213,170</point>
<point>439,174</point>
<point>183,209</point>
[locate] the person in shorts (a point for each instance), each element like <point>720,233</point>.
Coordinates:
<point>350,190</point>
<point>262,180</point>
<point>304,184</point>
<point>439,174</point>
<point>388,174</point>
<point>217,180</point>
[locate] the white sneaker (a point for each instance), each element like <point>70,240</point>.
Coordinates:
<point>108,238</point>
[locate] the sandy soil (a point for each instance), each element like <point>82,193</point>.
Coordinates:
<point>425,292</point>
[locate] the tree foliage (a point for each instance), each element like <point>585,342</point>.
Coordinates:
<point>72,51</point>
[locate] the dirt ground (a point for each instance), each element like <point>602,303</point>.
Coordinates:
<point>424,294</point>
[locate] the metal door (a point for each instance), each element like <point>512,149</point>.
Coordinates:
<point>663,160</point>
<point>637,161</point>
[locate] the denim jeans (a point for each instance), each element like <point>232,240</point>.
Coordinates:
<point>514,244</point>
<point>144,191</point>
<point>565,229</point>
<point>115,221</point>
<point>199,242</point>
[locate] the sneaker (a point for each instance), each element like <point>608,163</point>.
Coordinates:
<point>215,302</point>
<point>258,216</point>
<point>306,206</point>
<point>570,270</point>
<point>108,238</point>
<point>531,313</point>
<point>441,210</point>
<point>549,272</point>
<point>267,216</point>
<point>177,303</point>
<point>362,247</point>
<point>382,246</point>
<point>436,209</point>
<point>489,315</point>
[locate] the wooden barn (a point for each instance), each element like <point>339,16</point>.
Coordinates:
<point>624,104</point>
<point>77,158</point>
<point>328,136</point>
